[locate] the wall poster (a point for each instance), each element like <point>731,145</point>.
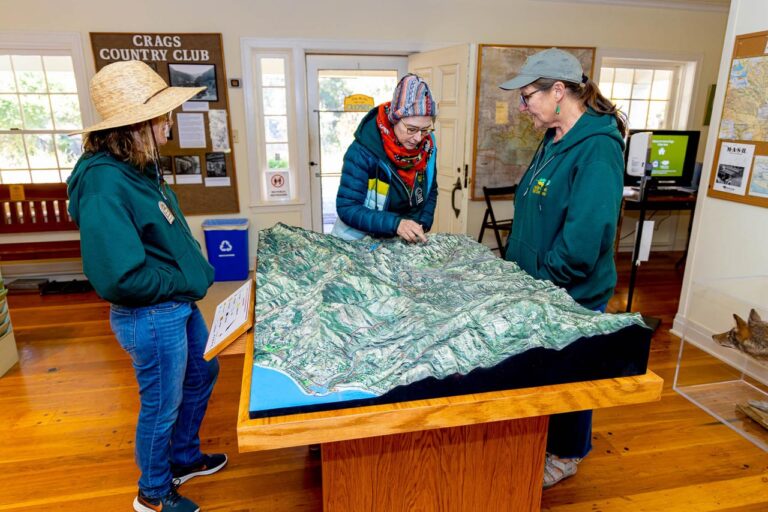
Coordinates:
<point>505,139</point>
<point>197,160</point>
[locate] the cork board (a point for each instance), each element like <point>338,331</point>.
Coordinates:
<point>740,166</point>
<point>197,161</point>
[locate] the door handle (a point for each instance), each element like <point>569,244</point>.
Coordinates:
<point>456,186</point>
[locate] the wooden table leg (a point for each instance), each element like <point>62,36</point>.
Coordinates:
<point>489,466</point>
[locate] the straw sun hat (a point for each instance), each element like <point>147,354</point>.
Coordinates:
<point>130,92</point>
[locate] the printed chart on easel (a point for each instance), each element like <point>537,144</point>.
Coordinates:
<point>233,317</point>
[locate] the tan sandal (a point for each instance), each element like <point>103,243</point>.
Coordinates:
<point>557,469</point>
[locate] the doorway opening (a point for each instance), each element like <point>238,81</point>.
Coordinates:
<point>331,79</point>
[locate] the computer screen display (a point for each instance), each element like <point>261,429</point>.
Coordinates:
<point>672,158</point>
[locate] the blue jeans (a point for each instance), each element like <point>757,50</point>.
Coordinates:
<point>166,342</point>
<point>570,434</point>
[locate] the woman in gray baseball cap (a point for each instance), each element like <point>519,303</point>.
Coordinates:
<point>567,206</point>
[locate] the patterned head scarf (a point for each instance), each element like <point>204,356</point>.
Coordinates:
<point>412,97</point>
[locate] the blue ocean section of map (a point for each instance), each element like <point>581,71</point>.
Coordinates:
<point>273,389</point>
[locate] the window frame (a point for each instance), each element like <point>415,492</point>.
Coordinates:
<point>257,148</point>
<point>685,68</point>
<point>53,43</point>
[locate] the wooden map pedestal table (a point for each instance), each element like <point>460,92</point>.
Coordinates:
<point>482,451</point>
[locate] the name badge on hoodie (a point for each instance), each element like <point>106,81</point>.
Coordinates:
<point>166,212</point>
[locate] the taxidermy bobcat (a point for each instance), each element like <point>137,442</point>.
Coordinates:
<point>750,337</point>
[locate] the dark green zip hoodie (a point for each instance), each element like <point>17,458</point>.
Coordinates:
<point>134,254</point>
<point>566,210</point>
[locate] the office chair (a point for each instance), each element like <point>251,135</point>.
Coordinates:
<point>489,219</point>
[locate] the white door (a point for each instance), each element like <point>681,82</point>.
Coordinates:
<point>331,78</point>
<point>447,73</point>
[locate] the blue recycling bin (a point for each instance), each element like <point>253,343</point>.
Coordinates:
<point>227,243</point>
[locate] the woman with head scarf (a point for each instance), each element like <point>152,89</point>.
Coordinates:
<point>139,254</point>
<point>388,180</point>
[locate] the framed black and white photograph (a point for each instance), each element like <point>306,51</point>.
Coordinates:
<point>188,170</point>
<point>730,175</point>
<point>187,164</point>
<point>166,169</point>
<point>195,75</point>
<point>165,166</point>
<point>215,165</point>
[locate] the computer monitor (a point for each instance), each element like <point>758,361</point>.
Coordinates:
<point>673,157</point>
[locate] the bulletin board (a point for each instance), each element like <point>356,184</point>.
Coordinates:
<point>197,162</point>
<point>506,140</point>
<point>740,166</point>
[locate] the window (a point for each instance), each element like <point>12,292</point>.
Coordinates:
<point>274,127</point>
<point>39,105</point>
<point>654,94</point>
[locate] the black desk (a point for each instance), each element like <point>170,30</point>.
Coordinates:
<point>657,200</point>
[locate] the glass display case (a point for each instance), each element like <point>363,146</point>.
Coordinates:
<point>719,378</point>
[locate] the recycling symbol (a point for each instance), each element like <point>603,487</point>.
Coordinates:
<point>225,246</point>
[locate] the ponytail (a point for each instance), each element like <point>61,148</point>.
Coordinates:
<point>589,94</point>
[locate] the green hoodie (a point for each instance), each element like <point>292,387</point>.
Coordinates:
<point>134,254</point>
<point>566,210</point>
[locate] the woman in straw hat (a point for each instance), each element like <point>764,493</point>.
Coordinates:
<point>388,182</point>
<point>566,208</point>
<point>139,254</point>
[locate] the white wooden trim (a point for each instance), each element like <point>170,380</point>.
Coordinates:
<point>689,72</point>
<point>70,42</point>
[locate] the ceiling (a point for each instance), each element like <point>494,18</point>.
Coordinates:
<point>696,5</point>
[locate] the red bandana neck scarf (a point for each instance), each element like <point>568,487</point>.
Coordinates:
<point>408,162</point>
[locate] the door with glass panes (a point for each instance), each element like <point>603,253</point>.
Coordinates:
<point>364,81</point>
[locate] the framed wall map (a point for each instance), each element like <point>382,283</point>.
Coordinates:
<point>740,165</point>
<point>197,162</point>
<point>505,139</point>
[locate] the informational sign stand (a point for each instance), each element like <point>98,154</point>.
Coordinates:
<point>233,317</point>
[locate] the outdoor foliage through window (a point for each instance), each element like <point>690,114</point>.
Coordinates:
<point>39,105</point>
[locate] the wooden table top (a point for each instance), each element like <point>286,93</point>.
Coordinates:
<point>377,420</point>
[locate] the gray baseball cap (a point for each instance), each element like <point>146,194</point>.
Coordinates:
<point>552,63</point>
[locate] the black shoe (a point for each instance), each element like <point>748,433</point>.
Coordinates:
<point>171,502</point>
<point>208,465</point>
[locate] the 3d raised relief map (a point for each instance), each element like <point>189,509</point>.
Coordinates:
<point>366,316</point>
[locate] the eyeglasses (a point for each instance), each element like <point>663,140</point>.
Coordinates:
<point>412,130</point>
<point>525,97</point>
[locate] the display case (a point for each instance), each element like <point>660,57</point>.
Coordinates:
<point>718,378</point>
<point>8,353</point>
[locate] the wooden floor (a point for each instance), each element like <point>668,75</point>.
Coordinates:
<point>68,412</point>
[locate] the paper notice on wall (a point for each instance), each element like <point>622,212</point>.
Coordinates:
<point>502,112</point>
<point>191,130</point>
<point>217,125</point>
<point>759,185</point>
<point>733,167</point>
<point>277,185</point>
<point>646,241</point>
<point>195,106</point>
<point>218,182</point>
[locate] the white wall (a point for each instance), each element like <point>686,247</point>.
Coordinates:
<point>729,239</point>
<point>435,22</point>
